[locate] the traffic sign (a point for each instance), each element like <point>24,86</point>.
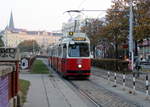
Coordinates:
<point>24,63</point>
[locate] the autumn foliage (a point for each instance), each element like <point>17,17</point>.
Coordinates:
<point>114,27</point>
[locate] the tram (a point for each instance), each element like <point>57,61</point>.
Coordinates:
<point>71,56</point>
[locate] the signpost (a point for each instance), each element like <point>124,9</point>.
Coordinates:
<point>24,63</point>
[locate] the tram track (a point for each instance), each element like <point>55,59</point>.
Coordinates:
<point>82,92</point>
<point>100,95</point>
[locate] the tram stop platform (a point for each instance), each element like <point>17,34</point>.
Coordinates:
<point>47,92</point>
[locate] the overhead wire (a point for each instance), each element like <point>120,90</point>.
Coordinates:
<point>83,1</point>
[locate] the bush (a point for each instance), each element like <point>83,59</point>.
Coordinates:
<point>111,64</point>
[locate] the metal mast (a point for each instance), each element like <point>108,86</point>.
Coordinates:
<point>131,53</point>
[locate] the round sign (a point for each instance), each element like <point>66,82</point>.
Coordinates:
<point>24,63</point>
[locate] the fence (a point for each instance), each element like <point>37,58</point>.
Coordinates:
<point>9,77</point>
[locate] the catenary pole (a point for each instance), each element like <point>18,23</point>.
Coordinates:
<point>131,53</point>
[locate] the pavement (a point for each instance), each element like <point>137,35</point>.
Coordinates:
<point>36,96</point>
<point>50,92</point>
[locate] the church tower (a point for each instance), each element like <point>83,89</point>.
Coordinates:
<point>11,23</point>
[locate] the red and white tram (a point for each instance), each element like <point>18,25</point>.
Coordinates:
<point>71,56</point>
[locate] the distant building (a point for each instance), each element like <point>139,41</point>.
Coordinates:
<point>13,36</point>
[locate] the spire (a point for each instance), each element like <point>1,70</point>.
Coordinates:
<point>11,22</point>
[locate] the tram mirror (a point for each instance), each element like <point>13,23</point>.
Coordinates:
<point>64,46</point>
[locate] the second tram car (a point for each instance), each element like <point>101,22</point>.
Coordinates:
<point>71,56</point>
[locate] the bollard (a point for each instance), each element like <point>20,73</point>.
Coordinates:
<point>124,77</point>
<point>133,83</point>
<point>115,81</point>
<point>147,86</point>
<point>108,75</point>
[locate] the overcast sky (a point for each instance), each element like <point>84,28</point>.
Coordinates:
<point>46,14</point>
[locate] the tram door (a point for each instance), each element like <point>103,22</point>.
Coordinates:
<point>64,59</point>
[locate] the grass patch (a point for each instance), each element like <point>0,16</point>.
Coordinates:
<point>24,87</point>
<point>39,67</point>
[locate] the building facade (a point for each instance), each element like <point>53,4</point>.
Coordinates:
<point>12,36</point>
<point>12,39</point>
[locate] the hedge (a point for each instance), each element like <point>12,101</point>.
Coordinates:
<point>111,64</point>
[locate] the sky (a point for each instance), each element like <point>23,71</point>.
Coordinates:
<point>47,15</point>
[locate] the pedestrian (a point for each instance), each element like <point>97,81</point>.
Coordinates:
<point>137,64</point>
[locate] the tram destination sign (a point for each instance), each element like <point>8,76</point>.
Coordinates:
<point>9,54</point>
<point>79,39</point>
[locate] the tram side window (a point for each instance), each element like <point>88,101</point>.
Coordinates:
<point>59,51</point>
<point>64,51</point>
<point>52,52</point>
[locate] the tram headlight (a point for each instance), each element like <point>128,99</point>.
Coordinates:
<point>79,66</point>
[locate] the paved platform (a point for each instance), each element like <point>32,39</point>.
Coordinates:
<point>50,92</point>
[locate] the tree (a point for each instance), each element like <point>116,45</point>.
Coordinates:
<point>142,19</point>
<point>115,27</point>
<point>28,46</point>
<point>92,28</point>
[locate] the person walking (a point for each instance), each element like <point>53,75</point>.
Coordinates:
<point>137,64</point>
